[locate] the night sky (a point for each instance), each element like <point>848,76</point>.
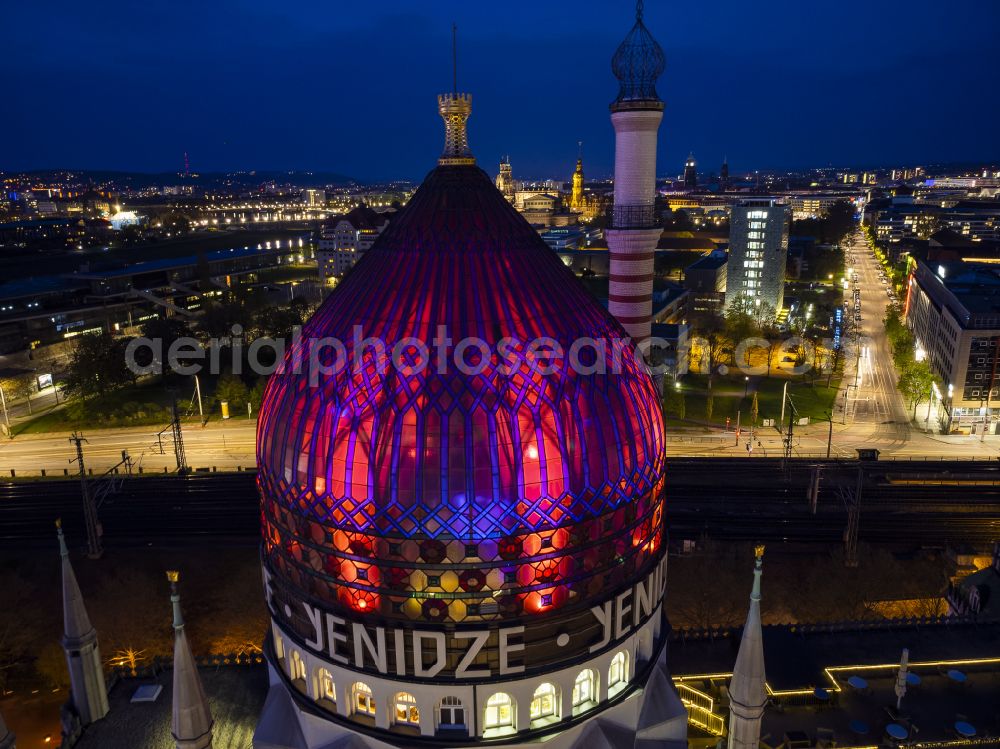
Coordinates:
<point>350,86</point>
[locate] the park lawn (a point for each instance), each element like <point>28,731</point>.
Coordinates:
<point>810,399</point>
<point>146,404</point>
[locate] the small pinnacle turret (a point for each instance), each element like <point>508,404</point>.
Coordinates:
<point>747,689</point>
<point>192,719</point>
<point>88,689</point>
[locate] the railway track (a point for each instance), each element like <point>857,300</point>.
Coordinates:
<point>726,499</point>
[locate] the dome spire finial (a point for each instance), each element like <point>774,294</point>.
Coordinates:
<point>638,11</point>
<point>455,109</point>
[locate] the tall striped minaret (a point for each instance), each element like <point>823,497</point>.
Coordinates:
<point>634,229</point>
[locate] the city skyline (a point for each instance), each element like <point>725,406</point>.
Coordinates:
<point>540,85</point>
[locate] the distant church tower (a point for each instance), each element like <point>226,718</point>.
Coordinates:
<point>690,173</point>
<point>505,180</point>
<point>576,197</point>
<point>724,175</point>
<point>88,689</point>
<point>634,229</point>
<point>747,693</point>
<point>6,736</point>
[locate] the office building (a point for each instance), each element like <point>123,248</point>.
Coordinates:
<point>953,309</point>
<point>758,251</point>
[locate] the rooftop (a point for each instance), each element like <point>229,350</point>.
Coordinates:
<point>235,694</point>
<point>37,285</point>
<point>811,669</point>
<point>975,285</point>
<point>150,266</point>
<point>712,261</point>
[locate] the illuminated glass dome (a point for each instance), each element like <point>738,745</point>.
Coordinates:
<point>443,495</point>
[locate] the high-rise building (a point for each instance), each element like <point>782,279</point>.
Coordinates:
<point>690,173</point>
<point>758,251</point>
<point>634,228</point>
<point>449,557</point>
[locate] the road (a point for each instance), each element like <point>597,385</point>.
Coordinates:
<point>230,445</point>
<point>222,444</point>
<point>25,408</point>
<point>874,405</point>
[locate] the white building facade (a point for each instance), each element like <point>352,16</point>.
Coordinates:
<point>758,251</point>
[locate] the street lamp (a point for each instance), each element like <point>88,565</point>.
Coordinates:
<point>746,386</point>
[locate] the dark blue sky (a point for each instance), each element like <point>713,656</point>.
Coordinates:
<point>350,86</point>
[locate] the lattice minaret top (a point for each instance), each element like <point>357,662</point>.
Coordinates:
<point>455,110</point>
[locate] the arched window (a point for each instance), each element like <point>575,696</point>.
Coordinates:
<point>499,718</point>
<point>545,703</point>
<point>405,710</point>
<point>584,691</point>
<point>279,646</point>
<point>618,673</point>
<point>451,713</point>
<point>364,703</point>
<point>297,667</point>
<point>325,690</point>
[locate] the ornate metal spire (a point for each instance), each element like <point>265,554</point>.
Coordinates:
<point>637,63</point>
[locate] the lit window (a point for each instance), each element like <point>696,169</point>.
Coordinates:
<point>545,703</point>
<point>364,702</point>
<point>499,713</point>
<point>452,713</point>
<point>406,712</point>
<point>297,668</point>
<point>584,690</point>
<point>618,673</point>
<point>325,689</point>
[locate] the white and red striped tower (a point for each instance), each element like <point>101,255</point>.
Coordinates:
<point>634,230</point>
